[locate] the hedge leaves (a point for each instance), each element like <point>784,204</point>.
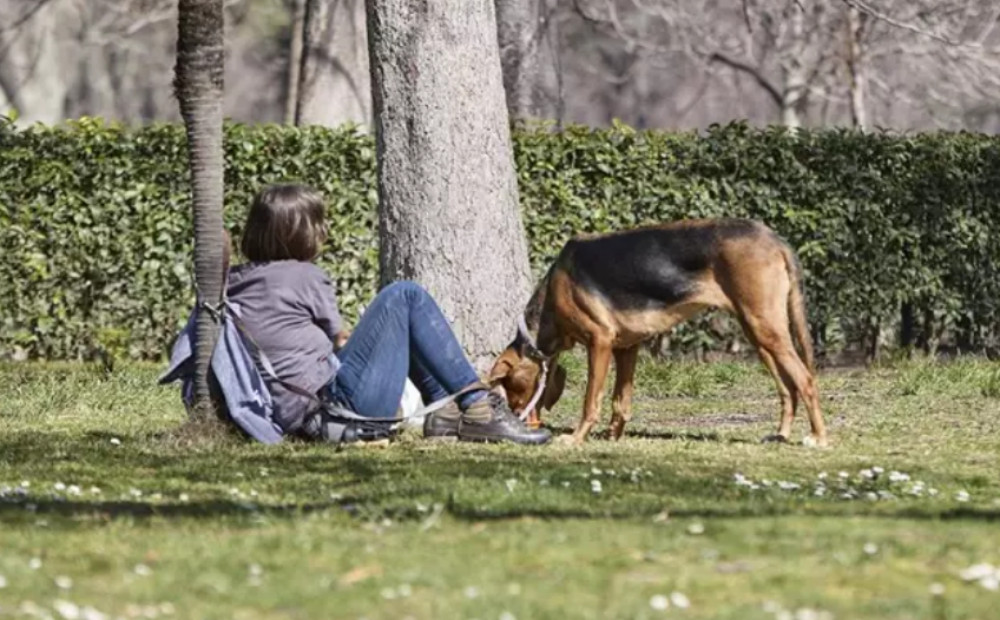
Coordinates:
<point>95,223</point>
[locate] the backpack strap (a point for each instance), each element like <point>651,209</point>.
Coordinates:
<point>261,359</point>
<point>447,400</point>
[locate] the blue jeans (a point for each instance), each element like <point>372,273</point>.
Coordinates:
<point>402,334</point>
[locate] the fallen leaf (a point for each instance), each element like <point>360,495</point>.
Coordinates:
<point>359,574</point>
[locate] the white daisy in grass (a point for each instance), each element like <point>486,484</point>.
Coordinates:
<point>987,575</point>
<point>659,602</point>
<point>66,609</point>
<point>679,600</point>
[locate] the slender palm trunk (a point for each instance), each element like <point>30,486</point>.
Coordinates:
<point>198,82</point>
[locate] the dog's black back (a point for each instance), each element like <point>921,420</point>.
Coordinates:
<point>649,267</point>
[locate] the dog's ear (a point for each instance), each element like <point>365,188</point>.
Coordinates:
<point>502,367</point>
<point>554,388</point>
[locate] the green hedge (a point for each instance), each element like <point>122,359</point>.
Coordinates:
<point>96,233</point>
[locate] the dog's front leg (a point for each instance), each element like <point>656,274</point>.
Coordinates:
<point>598,361</point>
<point>621,398</point>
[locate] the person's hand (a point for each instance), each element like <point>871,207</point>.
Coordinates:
<point>341,339</point>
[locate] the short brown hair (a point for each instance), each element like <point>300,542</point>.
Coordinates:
<point>285,222</point>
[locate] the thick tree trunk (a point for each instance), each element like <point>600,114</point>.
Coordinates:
<point>518,34</point>
<point>198,81</point>
<point>448,201</point>
<point>335,85</point>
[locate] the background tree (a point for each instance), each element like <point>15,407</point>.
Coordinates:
<point>905,64</point>
<point>519,29</point>
<point>199,87</point>
<point>448,198</point>
<point>334,81</point>
<point>295,60</point>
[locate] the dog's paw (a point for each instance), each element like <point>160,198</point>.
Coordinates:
<point>774,439</point>
<point>811,441</point>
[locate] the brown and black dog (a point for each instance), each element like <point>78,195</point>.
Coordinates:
<point>612,292</point>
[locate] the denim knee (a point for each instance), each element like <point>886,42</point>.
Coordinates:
<point>406,289</point>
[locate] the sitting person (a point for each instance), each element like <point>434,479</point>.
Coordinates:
<point>289,308</point>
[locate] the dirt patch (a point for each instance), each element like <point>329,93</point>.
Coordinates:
<point>716,420</point>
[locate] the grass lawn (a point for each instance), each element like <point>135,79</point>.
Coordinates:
<point>688,517</point>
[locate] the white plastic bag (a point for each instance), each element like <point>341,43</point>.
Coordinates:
<point>410,404</point>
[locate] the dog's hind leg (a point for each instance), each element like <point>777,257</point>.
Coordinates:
<point>786,392</point>
<point>621,399</point>
<point>770,332</point>
<point>759,287</point>
<point>786,388</point>
<point>805,384</point>
<point>598,362</point>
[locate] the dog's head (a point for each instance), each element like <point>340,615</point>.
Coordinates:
<point>520,374</point>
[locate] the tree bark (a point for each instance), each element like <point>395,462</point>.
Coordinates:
<point>35,50</point>
<point>449,215</point>
<point>295,60</point>
<point>518,36</point>
<point>198,81</point>
<point>335,85</point>
<point>794,88</point>
<point>856,66</point>
<point>907,326</point>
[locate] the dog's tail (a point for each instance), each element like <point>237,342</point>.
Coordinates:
<point>797,308</point>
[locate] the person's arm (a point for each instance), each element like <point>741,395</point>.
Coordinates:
<point>326,314</point>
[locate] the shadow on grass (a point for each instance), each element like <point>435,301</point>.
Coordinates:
<point>80,513</point>
<point>27,511</point>
<point>468,482</point>
<point>605,435</point>
<point>956,514</point>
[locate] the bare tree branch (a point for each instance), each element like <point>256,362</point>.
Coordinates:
<point>865,8</point>
<point>750,70</point>
<point>26,16</point>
